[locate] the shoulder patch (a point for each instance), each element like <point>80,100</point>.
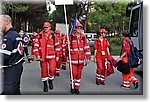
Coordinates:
<point>3,46</point>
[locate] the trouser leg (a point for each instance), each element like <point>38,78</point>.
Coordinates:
<point>58,65</point>
<point>44,70</point>
<point>11,80</point>
<point>100,71</point>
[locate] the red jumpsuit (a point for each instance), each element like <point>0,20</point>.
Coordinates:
<point>127,77</point>
<point>101,57</point>
<point>45,48</point>
<point>64,53</point>
<point>33,44</point>
<point>79,50</point>
<point>59,51</point>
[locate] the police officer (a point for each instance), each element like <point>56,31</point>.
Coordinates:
<point>11,50</point>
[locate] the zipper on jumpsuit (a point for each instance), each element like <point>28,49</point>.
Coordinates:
<point>78,50</point>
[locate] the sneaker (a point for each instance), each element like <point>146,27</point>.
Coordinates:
<point>135,85</point>
<point>125,87</point>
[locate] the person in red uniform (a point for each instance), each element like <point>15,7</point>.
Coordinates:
<point>33,38</point>
<point>127,78</point>
<point>64,53</point>
<point>79,49</point>
<point>45,52</point>
<point>59,51</point>
<point>101,46</point>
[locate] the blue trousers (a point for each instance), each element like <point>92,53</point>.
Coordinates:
<point>12,76</point>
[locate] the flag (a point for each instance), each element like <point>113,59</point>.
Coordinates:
<point>74,24</point>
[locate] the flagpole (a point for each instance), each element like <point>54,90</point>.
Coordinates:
<point>68,47</point>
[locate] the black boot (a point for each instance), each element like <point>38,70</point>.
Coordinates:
<point>97,83</point>
<point>77,91</point>
<point>50,84</point>
<point>102,83</point>
<point>72,91</point>
<point>45,89</point>
<point>63,67</point>
<point>135,85</point>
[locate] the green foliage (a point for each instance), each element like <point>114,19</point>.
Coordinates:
<point>109,15</point>
<point>18,8</point>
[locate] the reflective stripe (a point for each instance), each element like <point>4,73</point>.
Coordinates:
<point>36,45</point>
<point>63,45</point>
<point>57,69</point>
<point>25,46</point>
<point>85,47</point>
<point>97,75</point>
<point>18,38</point>
<point>35,50</point>
<point>98,78</point>
<point>77,84</point>
<point>102,79</point>
<point>78,80</point>
<point>126,85</point>
<point>57,49</point>
<point>81,61</point>
<point>102,76</point>
<point>44,79</point>
<point>76,62</point>
<point>50,56</point>
<point>88,53</point>
<point>51,77</point>
<point>19,60</point>
<point>126,82</point>
<point>5,52</point>
<point>57,43</point>
<point>76,49</point>
<point>49,45</point>
<point>14,51</point>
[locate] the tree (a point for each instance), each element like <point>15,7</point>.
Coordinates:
<point>109,15</point>
<point>12,9</point>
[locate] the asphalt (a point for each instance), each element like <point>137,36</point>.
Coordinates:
<point>31,83</point>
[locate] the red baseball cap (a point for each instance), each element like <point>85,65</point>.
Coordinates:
<point>103,31</point>
<point>57,32</point>
<point>46,24</point>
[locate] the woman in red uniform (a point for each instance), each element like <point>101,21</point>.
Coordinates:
<point>127,78</point>
<point>101,46</point>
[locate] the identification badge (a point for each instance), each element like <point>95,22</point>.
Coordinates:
<point>103,53</point>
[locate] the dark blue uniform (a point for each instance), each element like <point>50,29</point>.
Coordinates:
<point>25,39</point>
<point>12,53</point>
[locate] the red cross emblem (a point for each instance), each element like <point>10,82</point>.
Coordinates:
<point>20,48</point>
<point>3,46</point>
<point>25,39</point>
